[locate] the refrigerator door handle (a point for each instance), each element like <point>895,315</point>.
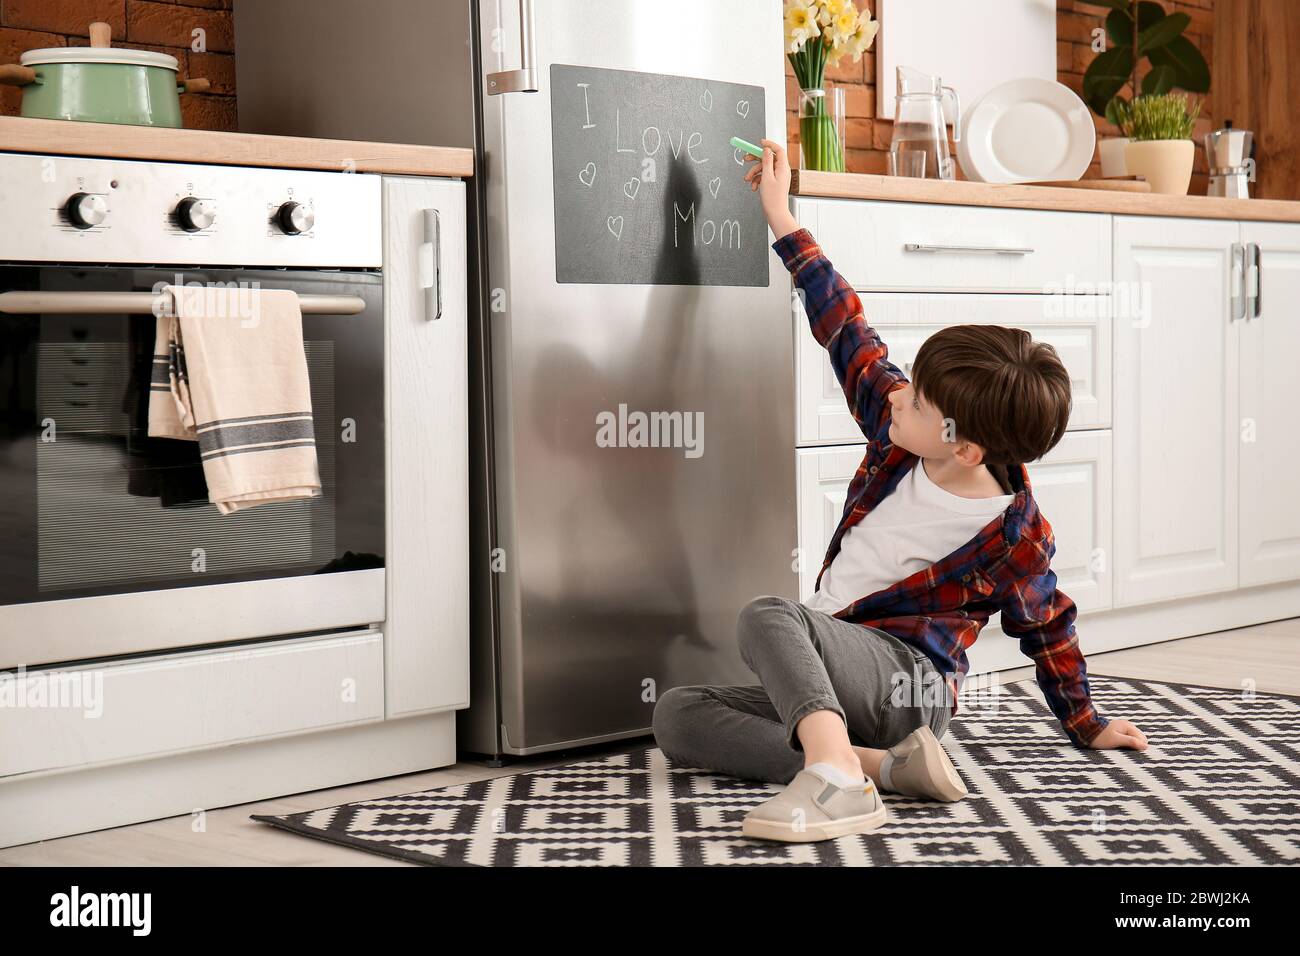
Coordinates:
<point>524,79</point>
<point>430,265</point>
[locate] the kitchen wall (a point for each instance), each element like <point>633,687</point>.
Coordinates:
<point>164,26</point>
<point>167,26</point>
<point>868,136</point>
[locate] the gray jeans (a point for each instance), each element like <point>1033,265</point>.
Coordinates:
<point>805,661</point>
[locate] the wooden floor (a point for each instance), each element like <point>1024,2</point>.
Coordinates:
<point>1268,654</point>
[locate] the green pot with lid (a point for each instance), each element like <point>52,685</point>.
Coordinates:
<point>101,83</point>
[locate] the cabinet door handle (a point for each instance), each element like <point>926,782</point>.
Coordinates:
<point>978,250</point>
<point>524,79</point>
<point>1238,281</point>
<point>1254,283</point>
<point>430,265</point>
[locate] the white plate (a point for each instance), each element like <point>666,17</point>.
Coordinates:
<point>1026,131</point>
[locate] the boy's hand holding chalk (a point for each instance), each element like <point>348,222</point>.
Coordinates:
<point>770,176</point>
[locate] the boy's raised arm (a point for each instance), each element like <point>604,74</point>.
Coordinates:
<point>859,357</point>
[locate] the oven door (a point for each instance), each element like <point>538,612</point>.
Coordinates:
<point>108,543</point>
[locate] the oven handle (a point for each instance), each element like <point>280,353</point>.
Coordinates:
<point>107,303</point>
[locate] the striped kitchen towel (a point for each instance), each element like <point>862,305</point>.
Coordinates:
<point>230,372</point>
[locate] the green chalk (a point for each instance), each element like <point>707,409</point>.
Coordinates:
<point>750,148</point>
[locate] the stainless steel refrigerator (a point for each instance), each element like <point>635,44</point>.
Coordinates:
<point>632,433</point>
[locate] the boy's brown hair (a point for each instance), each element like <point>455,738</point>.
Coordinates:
<point>1005,392</point>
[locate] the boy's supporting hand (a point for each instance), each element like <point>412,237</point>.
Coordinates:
<point>1119,734</point>
<point>770,176</point>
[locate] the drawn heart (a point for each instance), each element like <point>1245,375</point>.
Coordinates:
<point>588,174</point>
<point>743,108</point>
<point>714,185</point>
<point>706,101</point>
<point>613,221</point>
<point>632,187</point>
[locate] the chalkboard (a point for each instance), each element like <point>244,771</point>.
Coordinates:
<point>648,189</point>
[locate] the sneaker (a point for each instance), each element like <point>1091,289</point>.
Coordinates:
<point>811,808</point>
<point>920,768</point>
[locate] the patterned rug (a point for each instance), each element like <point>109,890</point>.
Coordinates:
<point>1218,785</point>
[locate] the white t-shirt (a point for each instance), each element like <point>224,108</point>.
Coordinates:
<point>915,525</point>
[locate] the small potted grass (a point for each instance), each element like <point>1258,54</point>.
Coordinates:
<point>1160,146</point>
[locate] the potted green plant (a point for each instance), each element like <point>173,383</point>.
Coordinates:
<point>1160,145</point>
<point>1138,30</point>
<point>1111,149</point>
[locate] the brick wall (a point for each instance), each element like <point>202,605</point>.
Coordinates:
<point>164,26</point>
<point>867,136</point>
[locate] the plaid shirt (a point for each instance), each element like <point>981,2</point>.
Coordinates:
<point>1006,567</point>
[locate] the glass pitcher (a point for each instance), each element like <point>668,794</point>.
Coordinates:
<point>920,144</point>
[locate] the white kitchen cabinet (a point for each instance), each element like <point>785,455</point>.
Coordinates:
<point>426,630</point>
<point>1176,424</point>
<point>1078,327</point>
<point>1171,497</point>
<point>1269,512</point>
<point>899,246</point>
<point>1068,254</point>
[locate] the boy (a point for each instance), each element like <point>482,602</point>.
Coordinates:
<point>939,531</point>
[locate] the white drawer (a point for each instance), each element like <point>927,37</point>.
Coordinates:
<point>868,244</point>
<point>1076,326</point>
<point>190,700</point>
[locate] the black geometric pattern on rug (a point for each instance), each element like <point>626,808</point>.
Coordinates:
<point>1218,785</point>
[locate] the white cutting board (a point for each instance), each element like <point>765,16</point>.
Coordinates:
<point>972,46</point>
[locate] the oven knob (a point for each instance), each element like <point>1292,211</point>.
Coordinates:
<point>295,218</point>
<point>86,210</point>
<point>194,215</point>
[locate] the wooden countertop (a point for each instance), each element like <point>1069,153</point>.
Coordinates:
<point>958,193</point>
<point>110,140</point>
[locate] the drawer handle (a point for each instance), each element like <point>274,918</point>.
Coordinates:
<point>980,250</point>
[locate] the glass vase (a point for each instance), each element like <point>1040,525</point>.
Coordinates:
<point>821,129</point>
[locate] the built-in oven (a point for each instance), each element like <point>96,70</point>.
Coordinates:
<point>109,544</point>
